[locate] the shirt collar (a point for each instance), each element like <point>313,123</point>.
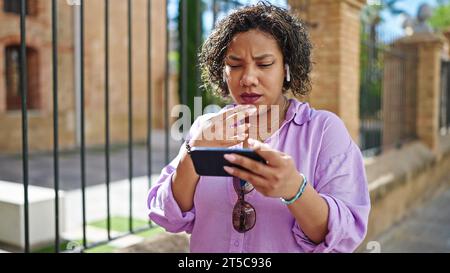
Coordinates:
<point>299,112</point>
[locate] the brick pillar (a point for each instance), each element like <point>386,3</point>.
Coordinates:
<point>334,27</point>
<point>428,89</point>
<point>399,93</point>
<point>447,44</point>
<point>423,53</point>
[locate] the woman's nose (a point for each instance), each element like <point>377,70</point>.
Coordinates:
<point>249,79</point>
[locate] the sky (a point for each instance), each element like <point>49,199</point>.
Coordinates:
<point>390,28</point>
<point>392,25</point>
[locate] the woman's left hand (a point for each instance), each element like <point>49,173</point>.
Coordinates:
<point>278,178</point>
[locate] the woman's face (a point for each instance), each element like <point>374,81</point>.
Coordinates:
<point>254,69</point>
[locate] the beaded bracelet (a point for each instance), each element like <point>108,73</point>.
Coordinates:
<point>188,147</point>
<point>299,193</point>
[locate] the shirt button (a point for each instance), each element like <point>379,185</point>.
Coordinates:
<point>236,243</point>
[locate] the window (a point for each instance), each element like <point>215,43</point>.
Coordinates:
<point>12,76</point>
<point>13,6</point>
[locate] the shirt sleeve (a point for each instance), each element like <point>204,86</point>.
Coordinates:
<point>163,208</point>
<point>341,181</point>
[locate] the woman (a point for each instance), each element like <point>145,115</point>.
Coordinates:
<point>312,194</point>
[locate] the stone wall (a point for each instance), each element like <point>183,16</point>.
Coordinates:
<point>400,180</point>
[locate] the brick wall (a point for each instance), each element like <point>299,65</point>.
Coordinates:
<point>39,38</point>
<point>399,93</point>
<point>335,31</point>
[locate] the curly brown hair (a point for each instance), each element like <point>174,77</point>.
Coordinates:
<point>286,29</point>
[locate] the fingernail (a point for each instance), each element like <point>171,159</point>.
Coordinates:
<point>228,169</point>
<point>230,157</point>
<point>251,141</point>
<point>241,137</point>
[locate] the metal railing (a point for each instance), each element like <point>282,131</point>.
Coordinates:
<point>107,104</point>
<point>23,92</point>
<point>387,98</point>
<point>23,87</point>
<point>444,109</point>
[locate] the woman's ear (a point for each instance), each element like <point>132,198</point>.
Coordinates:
<point>224,75</point>
<point>288,73</point>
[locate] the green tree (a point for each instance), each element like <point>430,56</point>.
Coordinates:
<point>191,32</point>
<point>441,16</point>
<point>190,37</point>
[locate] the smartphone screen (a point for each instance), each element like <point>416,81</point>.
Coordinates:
<point>210,161</point>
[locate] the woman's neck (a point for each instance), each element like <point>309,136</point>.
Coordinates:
<point>268,122</point>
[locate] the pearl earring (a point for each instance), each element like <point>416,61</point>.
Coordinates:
<point>288,74</point>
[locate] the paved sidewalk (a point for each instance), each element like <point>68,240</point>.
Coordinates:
<point>41,174</point>
<point>425,229</point>
<point>71,218</point>
<point>41,165</point>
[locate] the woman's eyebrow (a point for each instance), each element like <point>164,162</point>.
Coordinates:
<point>261,57</point>
<point>233,57</point>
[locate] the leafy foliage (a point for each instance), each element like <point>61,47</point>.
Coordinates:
<point>441,16</point>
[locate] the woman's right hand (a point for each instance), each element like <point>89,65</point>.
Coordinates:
<point>225,129</point>
<point>212,133</point>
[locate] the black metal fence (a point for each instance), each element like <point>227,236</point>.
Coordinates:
<point>371,63</point>
<point>218,8</point>
<point>387,98</point>
<point>82,150</point>
<point>444,109</point>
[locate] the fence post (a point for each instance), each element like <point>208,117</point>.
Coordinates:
<point>428,91</point>
<point>334,27</point>
<point>424,52</point>
<point>428,49</point>
<point>399,99</point>
<point>447,37</point>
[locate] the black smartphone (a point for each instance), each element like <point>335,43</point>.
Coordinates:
<point>210,161</point>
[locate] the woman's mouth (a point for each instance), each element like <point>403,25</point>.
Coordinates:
<point>250,97</point>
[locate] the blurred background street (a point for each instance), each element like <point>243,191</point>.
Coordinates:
<point>88,111</point>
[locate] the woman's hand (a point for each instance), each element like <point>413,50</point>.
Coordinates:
<point>218,131</point>
<point>223,129</point>
<point>278,178</point>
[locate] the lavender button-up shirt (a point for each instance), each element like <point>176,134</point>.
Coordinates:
<point>322,150</point>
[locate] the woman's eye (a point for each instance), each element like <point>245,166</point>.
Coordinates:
<point>234,66</point>
<point>265,65</point>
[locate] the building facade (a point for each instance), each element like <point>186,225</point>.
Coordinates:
<point>39,68</point>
